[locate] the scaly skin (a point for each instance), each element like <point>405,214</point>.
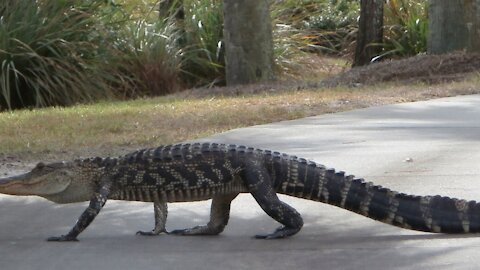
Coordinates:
<point>192,172</point>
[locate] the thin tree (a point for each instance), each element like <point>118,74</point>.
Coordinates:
<point>370,31</point>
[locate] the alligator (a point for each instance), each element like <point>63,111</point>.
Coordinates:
<point>200,171</point>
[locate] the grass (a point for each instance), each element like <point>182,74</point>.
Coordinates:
<point>113,128</point>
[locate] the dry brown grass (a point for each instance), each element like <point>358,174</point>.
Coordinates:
<point>116,127</point>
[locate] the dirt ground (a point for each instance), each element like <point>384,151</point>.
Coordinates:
<point>430,69</point>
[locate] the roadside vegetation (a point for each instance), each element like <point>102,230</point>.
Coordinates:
<point>113,128</point>
<point>110,72</point>
<point>70,52</point>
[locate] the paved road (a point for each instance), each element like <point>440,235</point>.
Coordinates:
<point>428,147</point>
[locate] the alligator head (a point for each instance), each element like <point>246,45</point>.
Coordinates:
<point>57,182</point>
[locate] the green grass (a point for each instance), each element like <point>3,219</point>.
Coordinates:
<point>112,128</point>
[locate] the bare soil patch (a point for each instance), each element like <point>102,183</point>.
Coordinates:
<point>431,69</point>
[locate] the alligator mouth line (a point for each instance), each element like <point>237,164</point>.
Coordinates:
<point>16,180</point>
<point>24,184</point>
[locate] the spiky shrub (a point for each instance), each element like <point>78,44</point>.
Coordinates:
<point>66,52</point>
<point>48,54</point>
<point>319,26</point>
<point>202,51</point>
<point>155,62</point>
<point>406,27</point>
<point>148,48</point>
<point>337,26</point>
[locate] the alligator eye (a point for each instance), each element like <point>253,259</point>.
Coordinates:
<point>40,165</point>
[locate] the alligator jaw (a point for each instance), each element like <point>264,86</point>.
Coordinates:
<point>13,185</point>
<point>29,184</point>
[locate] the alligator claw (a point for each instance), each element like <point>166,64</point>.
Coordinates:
<point>279,233</point>
<point>197,230</point>
<point>151,233</point>
<point>63,238</point>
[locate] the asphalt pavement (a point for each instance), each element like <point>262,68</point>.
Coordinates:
<point>423,148</point>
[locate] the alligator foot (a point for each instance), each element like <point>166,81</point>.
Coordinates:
<point>179,232</point>
<point>63,238</point>
<point>190,231</point>
<point>199,230</point>
<point>152,232</point>
<point>280,232</point>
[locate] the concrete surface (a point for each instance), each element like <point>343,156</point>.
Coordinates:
<point>428,147</point>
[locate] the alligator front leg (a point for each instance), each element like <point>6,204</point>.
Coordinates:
<point>96,204</point>
<point>160,210</point>
<point>260,186</point>
<point>219,215</point>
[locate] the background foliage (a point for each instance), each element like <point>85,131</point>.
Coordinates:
<point>62,52</point>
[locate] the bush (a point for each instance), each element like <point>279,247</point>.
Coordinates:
<point>322,26</point>
<point>66,52</point>
<point>330,26</point>
<point>49,55</point>
<point>147,46</point>
<point>406,26</point>
<point>203,56</point>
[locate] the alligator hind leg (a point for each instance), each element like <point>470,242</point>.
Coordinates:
<point>260,186</point>
<point>219,215</point>
<point>161,210</point>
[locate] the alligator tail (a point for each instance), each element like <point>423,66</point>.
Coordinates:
<point>308,180</point>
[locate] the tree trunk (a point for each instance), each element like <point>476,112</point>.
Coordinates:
<point>248,41</point>
<point>370,31</point>
<point>454,26</point>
